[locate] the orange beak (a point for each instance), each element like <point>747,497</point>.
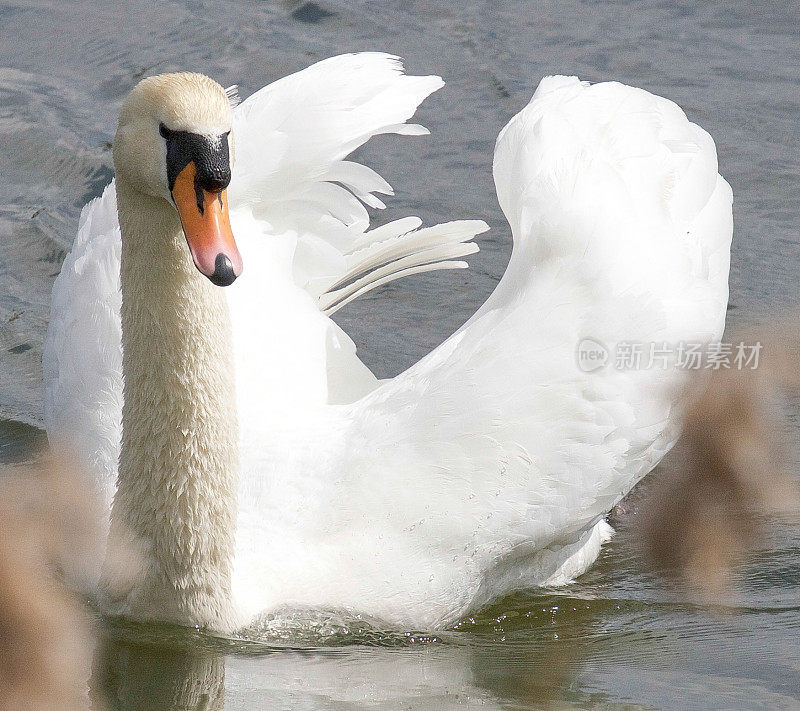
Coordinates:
<point>207,226</point>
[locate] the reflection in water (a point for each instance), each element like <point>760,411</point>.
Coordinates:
<point>138,677</point>
<point>528,652</point>
<point>19,442</point>
<point>528,657</point>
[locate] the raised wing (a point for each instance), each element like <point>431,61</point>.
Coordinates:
<point>292,139</point>
<point>499,438</point>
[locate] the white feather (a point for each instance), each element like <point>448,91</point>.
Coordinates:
<point>232,92</point>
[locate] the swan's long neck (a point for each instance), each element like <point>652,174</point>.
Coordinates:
<point>176,492</point>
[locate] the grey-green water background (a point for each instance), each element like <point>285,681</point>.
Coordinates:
<point>621,637</point>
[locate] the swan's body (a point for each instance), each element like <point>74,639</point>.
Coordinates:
<point>486,467</point>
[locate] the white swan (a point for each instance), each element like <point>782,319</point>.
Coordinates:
<point>261,464</point>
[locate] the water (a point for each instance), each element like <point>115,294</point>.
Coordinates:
<point>621,638</point>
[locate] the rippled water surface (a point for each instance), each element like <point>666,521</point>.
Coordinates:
<point>620,638</point>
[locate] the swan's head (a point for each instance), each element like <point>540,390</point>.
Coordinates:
<point>173,142</point>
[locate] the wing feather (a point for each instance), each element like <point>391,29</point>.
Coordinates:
<point>292,142</point>
<point>513,448</point>
<point>82,358</point>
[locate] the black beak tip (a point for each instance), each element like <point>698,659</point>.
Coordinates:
<point>223,271</point>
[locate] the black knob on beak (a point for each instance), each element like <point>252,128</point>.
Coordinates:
<point>213,183</point>
<point>223,271</point>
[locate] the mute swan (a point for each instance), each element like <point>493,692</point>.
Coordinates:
<point>261,464</point>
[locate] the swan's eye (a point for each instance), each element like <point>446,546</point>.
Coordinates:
<point>164,131</point>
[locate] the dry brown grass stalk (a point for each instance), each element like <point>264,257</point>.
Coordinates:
<point>708,512</point>
<point>47,530</point>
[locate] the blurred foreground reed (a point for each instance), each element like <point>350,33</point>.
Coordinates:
<point>730,474</point>
<point>48,533</point>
